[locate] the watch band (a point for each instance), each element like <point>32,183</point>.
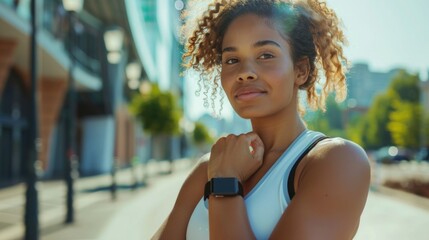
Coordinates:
<point>223,187</point>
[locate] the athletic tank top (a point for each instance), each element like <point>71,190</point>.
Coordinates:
<point>268,199</point>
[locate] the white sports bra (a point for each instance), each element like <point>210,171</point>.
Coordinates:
<point>267,201</point>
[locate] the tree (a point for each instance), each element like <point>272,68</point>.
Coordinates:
<point>376,134</point>
<point>405,124</point>
<point>201,134</point>
<point>406,86</point>
<point>158,111</point>
<point>391,114</point>
<point>329,122</point>
<point>159,115</point>
<point>202,138</point>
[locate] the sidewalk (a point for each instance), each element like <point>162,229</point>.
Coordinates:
<point>93,210</point>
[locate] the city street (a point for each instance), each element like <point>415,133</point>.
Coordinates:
<point>137,214</point>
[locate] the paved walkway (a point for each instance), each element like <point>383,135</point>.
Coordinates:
<point>137,214</point>
<point>93,210</point>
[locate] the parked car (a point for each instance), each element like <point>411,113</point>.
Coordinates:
<point>423,154</point>
<point>392,154</point>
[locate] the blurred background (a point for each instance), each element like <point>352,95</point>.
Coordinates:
<point>99,125</point>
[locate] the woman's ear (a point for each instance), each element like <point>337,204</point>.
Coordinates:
<point>302,70</point>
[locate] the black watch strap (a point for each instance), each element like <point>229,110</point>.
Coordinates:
<point>223,187</point>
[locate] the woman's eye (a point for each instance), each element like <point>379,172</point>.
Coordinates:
<point>266,56</point>
<point>231,61</point>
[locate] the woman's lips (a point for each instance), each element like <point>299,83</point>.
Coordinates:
<point>246,94</point>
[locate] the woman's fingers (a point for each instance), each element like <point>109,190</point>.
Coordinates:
<point>256,145</point>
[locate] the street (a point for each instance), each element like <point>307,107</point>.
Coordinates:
<point>138,214</point>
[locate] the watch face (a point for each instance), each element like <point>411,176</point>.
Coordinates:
<point>225,186</point>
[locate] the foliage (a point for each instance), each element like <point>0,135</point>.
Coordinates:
<point>393,118</point>
<point>406,87</point>
<point>376,134</point>
<point>405,124</point>
<point>201,134</point>
<point>158,111</point>
<point>329,122</point>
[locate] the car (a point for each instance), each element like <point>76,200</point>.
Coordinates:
<point>423,154</point>
<point>392,154</point>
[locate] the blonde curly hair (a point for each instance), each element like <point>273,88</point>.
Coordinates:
<point>310,27</point>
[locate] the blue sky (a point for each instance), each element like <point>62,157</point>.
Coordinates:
<point>384,33</point>
<point>387,33</point>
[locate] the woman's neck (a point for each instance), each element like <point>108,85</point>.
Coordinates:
<point>278,132</point>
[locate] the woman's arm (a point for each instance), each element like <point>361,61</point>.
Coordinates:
<point>174,227</point>
<point>231,157</point>
<point>330,196</point>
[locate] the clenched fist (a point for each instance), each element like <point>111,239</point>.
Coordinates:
<point>236,156</point>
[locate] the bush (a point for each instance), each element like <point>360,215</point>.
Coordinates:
<point>158,111</point>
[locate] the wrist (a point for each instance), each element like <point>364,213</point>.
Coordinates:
<point>223,174</point>
<point>223,187</point>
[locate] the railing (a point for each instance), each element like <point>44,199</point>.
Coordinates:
<point>81,35</point>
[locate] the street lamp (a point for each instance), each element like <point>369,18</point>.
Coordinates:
<point>133,72</point>
<point>72,7</point>
<point>31,218</point>
<point>114,41</point>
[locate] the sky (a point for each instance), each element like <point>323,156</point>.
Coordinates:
<point>383,33</point>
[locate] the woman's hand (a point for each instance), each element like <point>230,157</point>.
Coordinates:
<point>236,156</point>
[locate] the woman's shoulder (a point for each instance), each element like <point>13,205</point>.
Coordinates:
<point>339,160</point>
<point>339,149</point>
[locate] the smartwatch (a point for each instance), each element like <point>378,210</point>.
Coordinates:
<point>223,187</point>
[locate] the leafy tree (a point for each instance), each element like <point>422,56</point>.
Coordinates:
<point>406,86</point>
<point>329,122</point>
<point>391,113</point>
<point>405,124</point>
<point>201,134</point>
<point>375,134</point>
<point>158,111</point>
<point>354,130</point>
<point>334,113</point>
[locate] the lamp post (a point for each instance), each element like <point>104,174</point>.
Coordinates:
<point>31,203</point>
<point>71,6</point>
<point>133,72</point>
<point>113,40</point>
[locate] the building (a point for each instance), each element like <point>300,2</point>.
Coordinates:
<point>77,66</point>
<point>364,85</point>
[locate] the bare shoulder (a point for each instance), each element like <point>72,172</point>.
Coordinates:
<point>340,153</point>
<point>338,163</point>
<point>339,149</point>
<point>340,157</point>
<point>331,191</point>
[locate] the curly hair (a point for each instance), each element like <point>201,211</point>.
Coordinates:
<point>309,26</point>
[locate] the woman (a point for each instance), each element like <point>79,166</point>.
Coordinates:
<point>280,181</point>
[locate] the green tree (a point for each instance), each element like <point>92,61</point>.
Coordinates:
<point>406,86</point>
<point>158,111</point>
<point>329,122</point>
<point>405,124</point>
<point>390,111</point>
<point>201,135</point>
<point>354,129</point>
<point>375,134</point>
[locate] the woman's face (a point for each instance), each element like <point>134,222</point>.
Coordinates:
<point>257,69</point>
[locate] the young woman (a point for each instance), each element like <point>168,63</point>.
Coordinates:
<point>280,181</point>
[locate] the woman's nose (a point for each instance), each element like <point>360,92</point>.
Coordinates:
<point>246,74</point>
